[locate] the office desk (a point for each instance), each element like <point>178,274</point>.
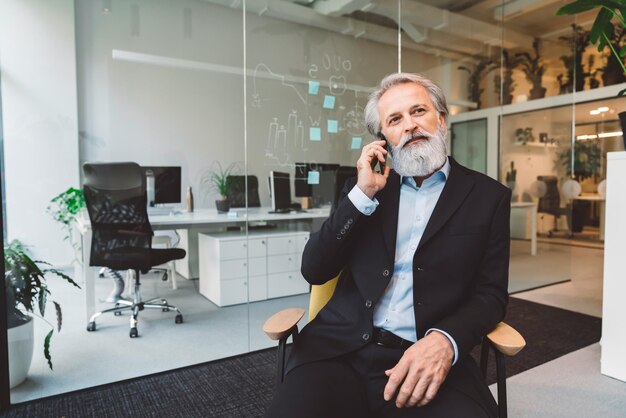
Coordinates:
<point>530,208</point>
<point>596,199</point>
<point>198,218</point>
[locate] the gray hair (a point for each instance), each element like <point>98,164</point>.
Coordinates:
<point>372,120</point>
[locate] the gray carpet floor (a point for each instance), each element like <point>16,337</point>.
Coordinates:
<point>242,386</point>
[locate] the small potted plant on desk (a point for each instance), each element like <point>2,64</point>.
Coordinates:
<point>217,179</point>
<point>26,291</point>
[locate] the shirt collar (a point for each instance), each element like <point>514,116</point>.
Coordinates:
<point>440,175</point>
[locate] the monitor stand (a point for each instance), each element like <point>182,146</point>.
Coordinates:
<point>281,210</point>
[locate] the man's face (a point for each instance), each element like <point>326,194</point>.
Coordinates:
<point>406,109</point>
<point>414,128</point>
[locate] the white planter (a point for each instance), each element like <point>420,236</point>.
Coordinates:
<point>21,342</point>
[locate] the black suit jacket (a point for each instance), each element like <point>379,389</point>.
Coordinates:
<point>460,268</point>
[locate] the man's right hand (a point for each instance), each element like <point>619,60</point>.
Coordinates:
<point>369,181</point>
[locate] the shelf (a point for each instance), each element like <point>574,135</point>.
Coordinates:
<point>536,144</point>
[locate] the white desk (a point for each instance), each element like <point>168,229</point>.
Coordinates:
<point>200,217</point>
<point>530,208</point>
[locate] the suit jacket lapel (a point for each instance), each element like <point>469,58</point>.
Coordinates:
<point>390,203</point>
<point>458,185</point>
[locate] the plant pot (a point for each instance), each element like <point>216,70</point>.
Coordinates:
<point>537,92</point>
<point>622,119</point>
<point>21,342</point>
<point>222,206</point>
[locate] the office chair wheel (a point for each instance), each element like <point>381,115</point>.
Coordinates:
<point>179,319</point>
<point>133,332</point>
<point>91,326</point>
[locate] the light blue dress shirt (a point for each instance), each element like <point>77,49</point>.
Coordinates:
<point>394,311</point>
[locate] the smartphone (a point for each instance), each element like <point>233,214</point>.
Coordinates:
<point>381,165</point>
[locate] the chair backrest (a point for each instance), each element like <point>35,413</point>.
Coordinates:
<point>550,202</point>
<point>115,194</point>
<point>237,191</point>
<point>320,295</point>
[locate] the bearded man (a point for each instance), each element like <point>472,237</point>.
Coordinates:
<point>422,253</point>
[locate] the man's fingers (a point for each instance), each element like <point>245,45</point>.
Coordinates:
<point>431,392</point>
<point>396,376</point>
<point>409,390</point>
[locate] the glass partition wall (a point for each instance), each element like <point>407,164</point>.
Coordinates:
<point>259,106</point>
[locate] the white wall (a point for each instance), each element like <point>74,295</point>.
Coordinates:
<point>37,60</point>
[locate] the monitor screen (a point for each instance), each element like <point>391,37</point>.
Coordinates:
<point>303,187</point>
<point>280,190</point>
<point>324,191</point>
<point>237,191</point>
<point>167,184</point>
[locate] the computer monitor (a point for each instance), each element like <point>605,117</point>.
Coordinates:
<point>237,191</point>
<point>301,180</point>
<point>280,191</point>
<point>163,184</point>
<point>323,192</point>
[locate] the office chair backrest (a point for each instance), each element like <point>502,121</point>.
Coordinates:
<point>550,202</point>
<point>115,194</point>
<point>342,174</point>
<point>237,191</point>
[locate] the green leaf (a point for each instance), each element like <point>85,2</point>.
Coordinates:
<point>42,301</point>
<point>622,52</point>
<point>600,25</point>
<point>57,308</point>
<point>46,348</point>
<point>576,7</point>
<point>622,92</point>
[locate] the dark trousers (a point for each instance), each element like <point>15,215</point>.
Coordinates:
<point>352,386</point>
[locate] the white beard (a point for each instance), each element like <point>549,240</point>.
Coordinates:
<point>421,158</point>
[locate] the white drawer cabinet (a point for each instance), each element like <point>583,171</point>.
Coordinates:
<point>236,269</point>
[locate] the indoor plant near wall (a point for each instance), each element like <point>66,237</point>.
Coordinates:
<point>533,68</point>
<point>27,292</point>
<point>64,207</point>
<point>602,31</point>
<point>217,180</point>
<point>504,84</point>
<point>476,73</point>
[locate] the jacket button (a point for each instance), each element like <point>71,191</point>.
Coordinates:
<point>343,232</point>
<point>420,269</point>
<point>368,304</point>
<point>338,236</point>
<point>366,337</point>
<point>385,272</point>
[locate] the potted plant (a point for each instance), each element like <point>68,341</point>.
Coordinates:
<point>64,207</point>
<point>602,30</point>
<point>27,292</point>
<point>574,63</point>
<point>476,74</point>
<point>505,85</point>
<point>533,68</point>
<point>217,180</point>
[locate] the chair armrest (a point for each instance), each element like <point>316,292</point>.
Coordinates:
<point>506,339</point>
<point>279,325</point>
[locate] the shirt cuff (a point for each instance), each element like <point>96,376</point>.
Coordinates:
<point>364,204</point>
<point>456,349</point>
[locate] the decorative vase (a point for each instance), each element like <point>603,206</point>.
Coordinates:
<point>222,206</point>
<point>21,342</point>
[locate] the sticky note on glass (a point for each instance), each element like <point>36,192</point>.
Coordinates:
<point>313,178</point>
<point>315,134</point>
<point>314,87</point>
<point>357,141</point>
<point>329,102</point>
<point>332,126</point>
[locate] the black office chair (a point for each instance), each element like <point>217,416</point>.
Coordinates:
<point>237,191</point>
<point>116,199</point>
<point>550,203</point>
